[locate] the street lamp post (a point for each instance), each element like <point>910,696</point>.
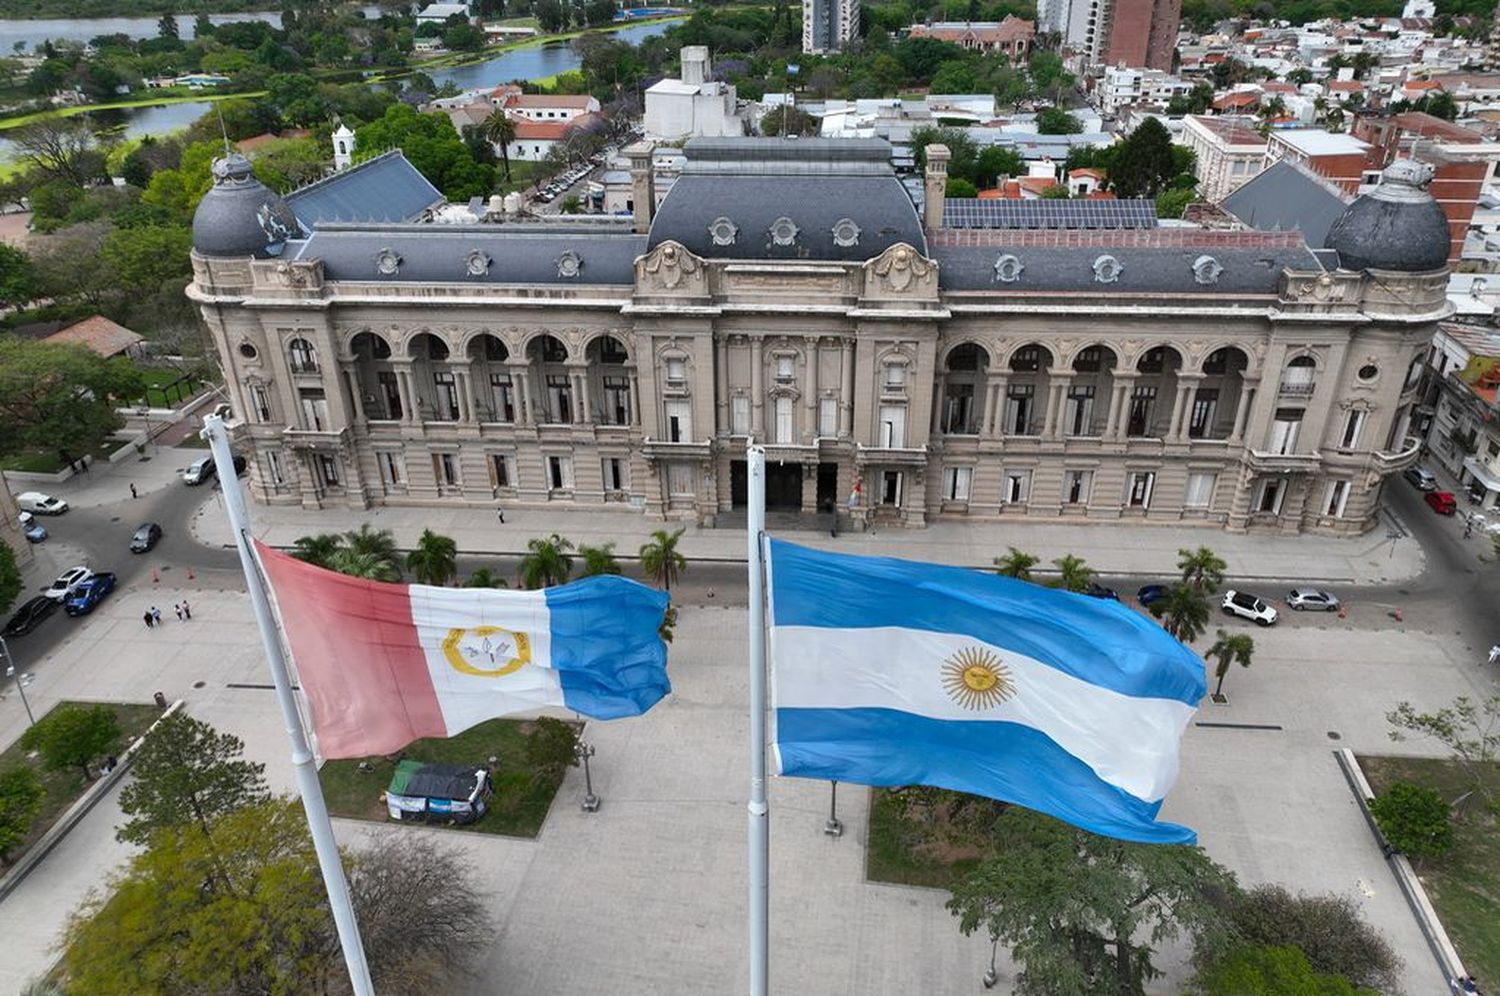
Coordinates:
<point>10,672</point>
<point>585,750</point>
<point>833,827</point>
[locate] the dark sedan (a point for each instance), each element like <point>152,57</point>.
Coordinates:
<point>147,536</point>
<point>1151,593</point>
<point>89,594</point>
<point>29,616</point>
<point>1096,590</point>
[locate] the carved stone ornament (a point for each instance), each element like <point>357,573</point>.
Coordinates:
<point>293,274</point>
<point>845,233</point>
<point>1008,268</point>
<point>1323,288</point>
<point>900,266</point>
<point>723,231</point>
<point>387,262</point>
<point>1206,269</point>
<point>569,264</point>
<point>477,263</point>
<point>1107,269</point>
<point>784,232</point>
<point>670,264</point>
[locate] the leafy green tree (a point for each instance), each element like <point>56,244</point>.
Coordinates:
<point>17,276</point>
<point>73,737</point>
<point>1174,203</point>
<point>1271,971</point>
<point>995,162</point>
<point>660,560</point>
<point>1074,574</point>
<point>187,773</point>
<point>1084,914</point>
<point>1016,564</point>
<point>798,122</point>
<point>21,796</point>
<point>598,560</point>
<point>1228,650</point>
<point>1056,192</point>
<point>11,581</point>
<point>483,577</point>
<point>288,163</point>
<point>954,76</point>
<point>1415,820</point>
<point>957,186</point>
<point>549,562</point>
<point>1470,731</point>
<point>551,748</point>
<point>1183,611</point>
<point>432,145</point>
<point>60,149</point>
<point>369,566</point>
<point>60,397</point>
<point>1327,928</point>
<point>1144,163</point>
<point>318,549</point>
<point>1056,121</point>
<point>143,258</point>
<point>1201,569</point>
<point>435,560</point>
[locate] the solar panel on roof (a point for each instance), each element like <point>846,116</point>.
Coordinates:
<point>969,212</point>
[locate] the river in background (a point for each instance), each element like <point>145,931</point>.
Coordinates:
<point>33,33</point>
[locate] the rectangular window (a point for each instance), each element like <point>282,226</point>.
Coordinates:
<point>1284,429</point>
<point>1338,495</point>
<point>956,483</point>
<point>260,403</point>
<point>1018,403</point>
<point>784,368</point>
<point>784,421</point>
<point>828,417</point>
<point>446,391</point>
<point>739,415</point>
<point>895,376</point>
<point>892,427</point>
<point>392,468</point>
<point>1080,410</point>
<point>502,400</point>
<point>1205,406</point>
<point>676,372</point>
<point>559,399</point>
<point>1141,484</point>
<point>273,467</point>
<point>329,466</point>
<point>890,487</point>
<point>445,469</point>
<point>681,480</point>
<point>1017,486</point>
<point>1352,426</point>
<point>560,473</point>
<point>958,410</point>
<point>502,471</point>
<point>1270,497</point>
<point>1142,403</point>
<point>616,474</point>
<point>314,411</point>
<point>1493,450</point>
<point>1076,485</point>
<point>679,422</point>
<point>391,392</point>
<point>1200,491</point>
<point>616,401</point>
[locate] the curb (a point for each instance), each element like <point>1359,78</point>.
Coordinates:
<point>1438,942</point>
<point>76,812</point>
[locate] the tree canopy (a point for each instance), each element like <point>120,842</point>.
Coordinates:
<point>186,773</point>
<point>1143,165</point>
<point>431,145</point>
<point>59,397</point>
<point>74,737</point>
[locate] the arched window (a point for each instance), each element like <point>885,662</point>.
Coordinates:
<point>304,357</point>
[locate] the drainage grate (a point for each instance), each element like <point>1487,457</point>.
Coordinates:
<point>1240,726</point>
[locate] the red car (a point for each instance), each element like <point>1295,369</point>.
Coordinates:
<point>1442,502</point>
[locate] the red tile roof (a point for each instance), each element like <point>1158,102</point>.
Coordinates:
<point>99,334</point>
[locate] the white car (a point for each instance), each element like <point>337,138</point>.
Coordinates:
<point>67,581</point>
<point>1247,606</point>
<point>40,504</point>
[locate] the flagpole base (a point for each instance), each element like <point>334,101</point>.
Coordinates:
<point>989,980</point>
<point>833,828</point>
<point>590,804</point>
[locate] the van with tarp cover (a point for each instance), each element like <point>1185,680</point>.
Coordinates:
<point>437,793</point>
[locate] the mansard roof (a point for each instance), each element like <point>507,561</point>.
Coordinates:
<point>384,188</point>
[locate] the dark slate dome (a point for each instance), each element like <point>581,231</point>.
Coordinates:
<point>240,216</point>
<point>1396,226</point>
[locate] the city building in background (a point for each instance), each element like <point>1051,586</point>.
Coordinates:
<point>829,25</point>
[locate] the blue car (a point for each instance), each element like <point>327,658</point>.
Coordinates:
<point>36,532</point>
<point>1096,590</point>
<point>89,594</point>
<point>1151,593</point>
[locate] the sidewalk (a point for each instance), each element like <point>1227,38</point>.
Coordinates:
<point>1113,549</point>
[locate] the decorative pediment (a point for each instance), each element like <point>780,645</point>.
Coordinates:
<point>670,267</point>
<point>901,270</point>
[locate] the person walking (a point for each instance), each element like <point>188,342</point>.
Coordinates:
<point>1495,653</point>
<point>132,490</point>
<point>177,607</point>
<point>187,610</point>
<point>156,615</point>
<point>147,617</point>
<point>501,512</point>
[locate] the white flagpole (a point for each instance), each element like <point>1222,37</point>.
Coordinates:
<point>302,758</point>
<point>760,820</point>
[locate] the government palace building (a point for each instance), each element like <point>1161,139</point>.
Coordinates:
<point>900,363</point>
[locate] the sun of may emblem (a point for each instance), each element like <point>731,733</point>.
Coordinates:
<point>975,678</point>
<point>486,651</point>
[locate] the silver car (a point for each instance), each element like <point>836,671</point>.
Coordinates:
<point>1311,600</point>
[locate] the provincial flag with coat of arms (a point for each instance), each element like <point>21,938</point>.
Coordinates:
<point>889,672</point>
<point>384,664</point>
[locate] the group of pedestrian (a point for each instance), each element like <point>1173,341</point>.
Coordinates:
<point>152,616</point>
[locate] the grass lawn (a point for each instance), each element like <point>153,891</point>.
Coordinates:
<point>64,787</point>
<point>48,462</point>
<point>522,175</point>
<point>516,810</point>
<point>1464,885</point>
<point>160,389</point>
<point>902,850</point>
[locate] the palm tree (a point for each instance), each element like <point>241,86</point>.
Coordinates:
<point>548,563</point>
<point>1229,649</point>
<point>485,578</point>
<point>318,549</point>
<point>1183,611</point>
<point>1201,569</point>
<point>1075,574</point>
<point>660,560</point>
<point>598,560</point>
<point>435,560</point>
<point>368,539</point>
<point>668,627</point>
<point>1016,564</point>
<point>500,129</point>
<point>370,566</point>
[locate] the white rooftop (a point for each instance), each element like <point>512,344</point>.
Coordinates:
<point>1317,142</point>
<point>443,11</point>
<point>674,87</point>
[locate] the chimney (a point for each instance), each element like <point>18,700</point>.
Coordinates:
<point>937,186</point>
<point>642,184</point>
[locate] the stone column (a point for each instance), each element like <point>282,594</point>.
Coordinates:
<point>1057,399</point>
<point>1242,410</point>
<point>757,389</point>
<point>1117,424</point>
<point>578,380</point>
<point>846,390</point>
<point>409,411</point>
<point>351,377</point>
<point>994,405</point>
<point>939,396</point>
<point>521,378</point>
<point>465,384</point>
<point>810,386</point>
<point>721,387</point>
<point>1187,394</point>
<point>635,398</point>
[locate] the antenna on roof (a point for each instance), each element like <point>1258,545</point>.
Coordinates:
<point>222,129</point>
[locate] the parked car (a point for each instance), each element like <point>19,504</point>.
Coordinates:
<point>89,594</point>
<point>1442,502</point>
<point>35,532</point>
<point>41,504</point>
<point>199,470</point>
<point>146,536</point>
<point>1421,478</point>
<point>66,582</point>
<point>1311,600</point>
<point>1096,590</point>
<point>29,616</point>
<point>1248,606</point>
<point>1151,593</point>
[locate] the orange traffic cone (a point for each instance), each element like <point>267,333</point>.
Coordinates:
<point>190,573</point>
<point>155,576</point>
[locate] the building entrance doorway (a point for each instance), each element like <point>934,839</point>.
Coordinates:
<point>783,487</point>
<point>828,486</point>
<point>739,484</point>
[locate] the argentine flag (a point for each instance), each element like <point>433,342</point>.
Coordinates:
<point>890,672</point>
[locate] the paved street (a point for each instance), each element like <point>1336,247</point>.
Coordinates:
<point>648,894</point>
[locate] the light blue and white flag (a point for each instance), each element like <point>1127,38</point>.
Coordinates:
<point>891,672</point>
